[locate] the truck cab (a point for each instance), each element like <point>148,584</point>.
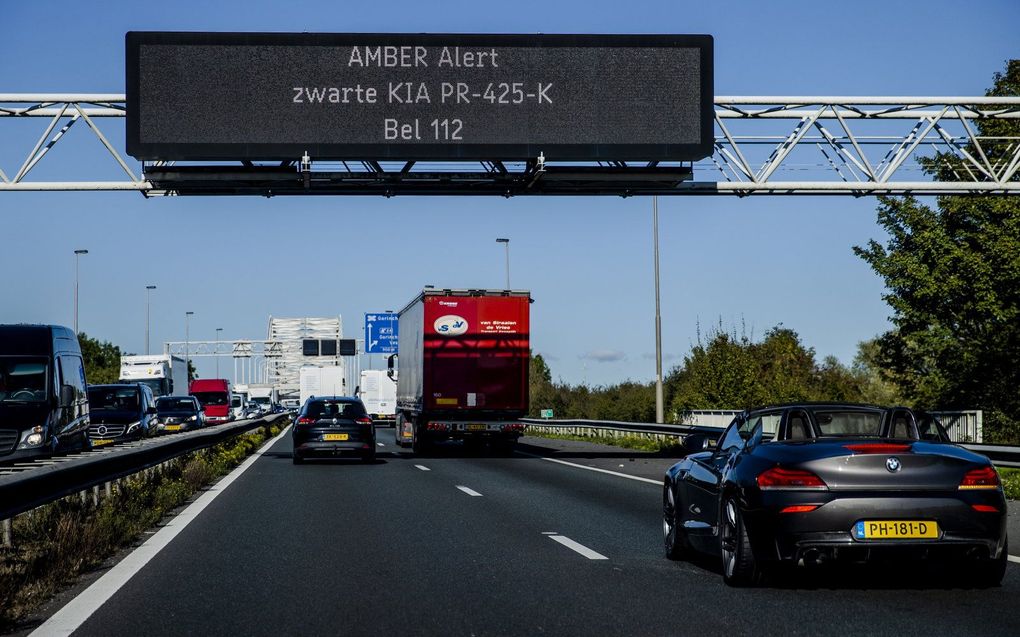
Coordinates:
<point>214,394</point>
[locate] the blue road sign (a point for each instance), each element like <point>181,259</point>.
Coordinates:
<point>381,333</point>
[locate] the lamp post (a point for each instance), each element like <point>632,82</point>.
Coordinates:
<point>187,344</point>
<point>77,255</point>
<point>658,320</point>
<point>148,289</point>
<point>506,244</point>
<point>217,346</point>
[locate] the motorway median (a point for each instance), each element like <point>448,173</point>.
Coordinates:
<point>54,544</point>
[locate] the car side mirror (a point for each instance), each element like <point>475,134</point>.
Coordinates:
<point>66,395</point>
<point>693,443</point>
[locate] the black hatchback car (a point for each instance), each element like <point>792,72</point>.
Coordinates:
<point>330,426</point>
<point>178,413</point>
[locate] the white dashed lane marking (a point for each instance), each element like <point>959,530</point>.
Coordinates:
<point>470,492</point>
<point>576,547</point>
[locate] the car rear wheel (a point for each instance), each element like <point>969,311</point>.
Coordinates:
<point>673,536</point>
<point>368,456</point>
<point>297,459</point>
<point>989,573</point>
<point>739,566</point>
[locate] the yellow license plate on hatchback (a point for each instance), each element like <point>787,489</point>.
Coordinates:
<point>329,437</point>
<point>896,530</point>
<point>173,427</point>
<point>99,442</point>
<point>476,427</point>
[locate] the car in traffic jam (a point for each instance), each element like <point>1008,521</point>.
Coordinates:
<point>810,484</point>
<point>331,426</point>
<point>119,412</point>
<point>178,413</point>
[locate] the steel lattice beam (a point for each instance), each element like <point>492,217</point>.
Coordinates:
<point>815,145</point>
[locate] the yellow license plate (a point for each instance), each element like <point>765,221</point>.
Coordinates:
<point>101,441</point>
<point>334,436</point>
<point>476,427</point>
<point>173,427</point>
<point>896,530</point>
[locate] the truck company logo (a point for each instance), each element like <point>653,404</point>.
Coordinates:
<point>450,325</point>
<point>448,303</point>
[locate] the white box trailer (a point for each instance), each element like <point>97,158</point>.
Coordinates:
<point>165,375</point>
<point>264,396</point>
<point>322,381</point>
<point>379,393</point>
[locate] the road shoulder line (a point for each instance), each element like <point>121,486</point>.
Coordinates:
<point>77,611</point>
<point>581,466</point>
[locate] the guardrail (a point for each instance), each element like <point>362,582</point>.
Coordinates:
<point>35,486</point>
<point>1001,455</point>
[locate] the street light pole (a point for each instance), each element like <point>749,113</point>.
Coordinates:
<point>506,244</point>
<point>77,254</point>
<point>659,408</point>
<point>187,344</point>
<point>148,289</point>
<point>217,346</point>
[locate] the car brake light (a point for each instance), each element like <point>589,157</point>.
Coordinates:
<point>983,478</point>
<point>780,478</point>
<point>800,508</point>
<point>364,421</point>
<point>984,508</point>
<point>305,420</point>
<point>879,447</point>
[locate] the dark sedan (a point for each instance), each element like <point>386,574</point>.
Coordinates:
<point>333,426</point>
<point>178,413</point>
<point>810,483</point>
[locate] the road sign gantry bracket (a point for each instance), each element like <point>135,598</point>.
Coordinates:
<point>809,145</point>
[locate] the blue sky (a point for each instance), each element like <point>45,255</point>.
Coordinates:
<point>236,261</point>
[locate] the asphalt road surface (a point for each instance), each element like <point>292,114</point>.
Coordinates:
<point>455,544</point>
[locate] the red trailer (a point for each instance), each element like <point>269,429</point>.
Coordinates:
<point>463,368</point>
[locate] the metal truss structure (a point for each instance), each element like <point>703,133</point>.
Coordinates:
<point>855,146</point>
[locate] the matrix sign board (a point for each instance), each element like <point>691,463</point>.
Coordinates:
<point>276,96</point>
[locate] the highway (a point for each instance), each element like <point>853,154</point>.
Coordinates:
<point>454,544</point>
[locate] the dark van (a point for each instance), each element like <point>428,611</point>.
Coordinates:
<point>121,411</point>
<point>44,406</point>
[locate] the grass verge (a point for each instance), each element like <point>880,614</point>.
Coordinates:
<point>1010,482</point>
<point>637,443</point>
<point>56,543</point>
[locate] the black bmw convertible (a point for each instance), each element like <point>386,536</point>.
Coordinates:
<point>814,483</point>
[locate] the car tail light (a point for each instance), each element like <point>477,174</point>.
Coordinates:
<point>780,478</point>
<point>984,508</point>
<point>305,420</point>
<point>879,447</point>
<point>364,421</point>
<point>800,508</point>
<point>983,478</point>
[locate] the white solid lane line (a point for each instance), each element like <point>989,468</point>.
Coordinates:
<point>581,466</point>
<point>470,492</point>
<point>422,467</point>
<point>1013,558</point>
<point>578,548</point>
<point>69,618</point>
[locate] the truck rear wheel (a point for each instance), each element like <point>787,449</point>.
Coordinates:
<point>419,443</point>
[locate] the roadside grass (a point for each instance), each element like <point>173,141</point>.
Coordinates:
<point>56,543</point>
<point>1010,482</point>
<point>636,443</point>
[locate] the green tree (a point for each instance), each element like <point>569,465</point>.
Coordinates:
<point>102,360</point>
<point>952,275</point>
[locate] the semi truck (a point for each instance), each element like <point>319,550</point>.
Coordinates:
<point>379,393</point>
<point>462,368</point>
<point>165,375</point>
<point>264,396</point>
<point>329,380</point>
